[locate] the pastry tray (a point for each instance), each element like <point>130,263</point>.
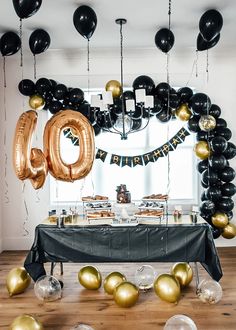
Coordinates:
<point>140,216</point>
<point>154,200</point>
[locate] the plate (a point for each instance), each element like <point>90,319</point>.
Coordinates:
<point>154,200</point>
<point>139,216</point>
<point>100,218</point>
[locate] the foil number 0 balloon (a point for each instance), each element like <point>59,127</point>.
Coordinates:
<point>28,163</point>
<point>81,128</point>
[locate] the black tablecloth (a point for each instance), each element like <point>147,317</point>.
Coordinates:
<point>143,243</point>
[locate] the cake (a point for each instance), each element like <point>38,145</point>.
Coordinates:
<point>123,195</point>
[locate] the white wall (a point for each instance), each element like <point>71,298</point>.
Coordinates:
<point>70,68</point>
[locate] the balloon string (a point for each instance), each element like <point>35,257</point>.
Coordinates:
<point>26,220</point>
<point>35,69</point>
<point>196,73</point>
<point>168,133</point>
<point>4,71</point>
<point>195,64</point>
<point>5,135</point>
<point>37,197</point>
<point>21,43</point>
<point>207,66</point>
<point>169,13</point>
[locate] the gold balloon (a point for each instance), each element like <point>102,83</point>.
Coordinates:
<point>36,102</point>
<point>202,149</point>
<point>17,281</point>
<point>112,280</point>
<point>115,87</point>
<point>220,220</point>
<point>26,322</point>
<point>83,130</point>
<point>207,123</point>
<point>167,288</point>
<point>126,294</point>
<point>183,112</point>
<point>183,272</point>
<point>90,277</point>
<point>229,231</point>
<point>28,163</point>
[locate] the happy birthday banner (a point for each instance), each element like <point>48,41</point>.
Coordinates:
<point>146,158</point>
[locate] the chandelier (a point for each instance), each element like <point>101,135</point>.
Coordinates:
<point>127,118</point>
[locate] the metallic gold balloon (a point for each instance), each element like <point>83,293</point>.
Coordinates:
<point>207,123</point>
<point>28,163</point>
<point>115,87</point>
<point>183,112</point>
<point>183,272</point>
<point>220,220</point>
<point>229,231</point>
<point>126,294</point>
<point>51,138</point>
<point>26,322</point>
<point>17,281</point>
<point>202,149</point>
<point>36,102</point>
<point>167,288</point>
<point>112,280</point>
<point>90,277</point>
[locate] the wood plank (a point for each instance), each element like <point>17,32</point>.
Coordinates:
<point>98,309</point>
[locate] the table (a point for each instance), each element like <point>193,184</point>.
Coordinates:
<point>142,243</point>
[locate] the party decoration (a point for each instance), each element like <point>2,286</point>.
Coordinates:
<point>220,220</point>
<point>144,277</point>
<point>76,96</point>
<point>115,87</point>
<point>193,124</point>
<point>224,132</point>
<point>180,322</point>
<point>43,85</point>
<point>227,174</point>
<point>36,102</point>
<point>209,177</point>
<point>126,294</point>
<point>207,123</point>
<point>26,87</point>
<point>202,150</point>
<point>202,44</point>
<point>28,163</point>
<point>144,82</point>
<point>217,162</point>
<point>202,165</point>
<point>164,40</point>
<point>230,151</point>
<point>200,104</point>
<point>58,168</point>
<point>26,8</point>
<point>185,94</point>
<point>183,112</point>
<point>162,90</point>
<point>39,41</point>
<point>229,231</point>
<point>209,291</point>
<point>10,43</point>
<point>90,277</point>
<point>207,208</point>
<point>210,24</point>
<point>225,204</point>
<point>85,21</point>
<point>213,193</point>
<point>17,281</point>
<point>59,91</point>
<point>26,322</point>
<point>218,144</point>
<point>183,272</point>
<point>167,287</point>
<point>47,288</point>
<point>228,189</point>
<point>112,280</point>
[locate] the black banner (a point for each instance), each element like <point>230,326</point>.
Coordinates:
<point>115,159</point>
<point>101,154</point>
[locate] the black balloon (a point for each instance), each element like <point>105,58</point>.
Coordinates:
<point>227,174</point>
<point>218,144</point>
<point>157,105</point>
<point>213,194</point>
<point>165,115</point>
<point>43,85</point>
<point>230,151</point>
<point>220,122</point>
<point>204,136</point>
<point>217,162</point>
<point>39,41</point>
<point>59,91</point>
<point>136,124</point>
<point>53,83</point>
<point>164,40</point>
<point>10,43</point>
<point>26,87</point>
<point>162,90</point>
<point>203,196</point>
<point>215,111</point>
<point>216,232</point>
<point>117,106</point>
<point>210,24</point>
<point>207,208</point>
<point>228,189</point>
<point>185,94</point>
<point>85,21</point>
<point>225,204</point>
<point>76,96</point>
<point>193,124</point>
<point>209,177</point>
<point>202,44</point>
<point>26,8</point>
<point>202,165</point>
<point>97,129</point>
<point>55,106</point>
<point>224,132</point>
<point>128,95</point>
<point>200,103</point>
<point>174,100</point>
<point>204,185</point>
<point>229,215</point>
<point>144,82</point>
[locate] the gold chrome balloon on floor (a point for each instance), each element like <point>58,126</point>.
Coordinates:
<point>115,87</point>
<point>90,277</point>
<point>167,288</point>
<point>17,281</point>
<point>26,322</point>
<point>220,220</point>
<point>36,102</point>
<point>126,294</point>
<point>202,150</point>
<point>229,231</point>
<point>183,272</point>
<point>112,280</point>
<point>183,112</point>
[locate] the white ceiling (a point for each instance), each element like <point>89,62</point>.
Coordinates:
<point>144,20</point>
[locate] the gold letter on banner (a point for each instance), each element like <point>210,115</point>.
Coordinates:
<point>28,163</point>
<point>83,130</point>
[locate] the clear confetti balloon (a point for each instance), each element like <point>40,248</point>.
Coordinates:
<point>144,277</point>
<point>180,322</point>
<point>47,288</point>
<point>209,291</point>
<point>81,326</point>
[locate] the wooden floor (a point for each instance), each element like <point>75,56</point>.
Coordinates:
<point>98,310</point>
